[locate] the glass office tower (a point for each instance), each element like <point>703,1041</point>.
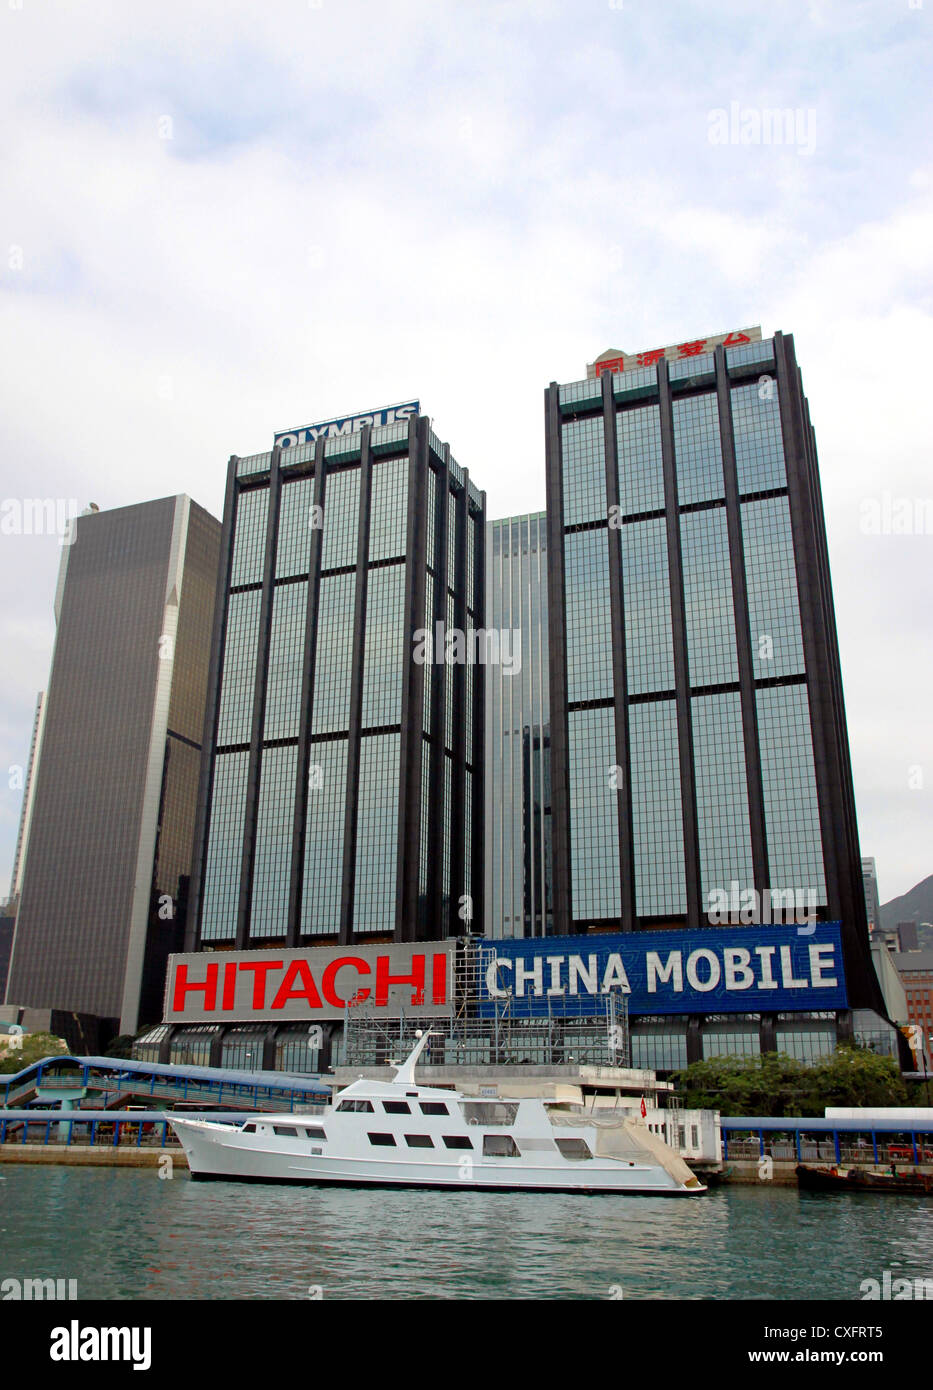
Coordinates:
<point>518,754</point>
<point>342,787</point>
<point>113,796</point>
<point>698,732</point>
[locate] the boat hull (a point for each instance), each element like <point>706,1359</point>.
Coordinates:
<point>860,1180</point>
<point>217,1156</point>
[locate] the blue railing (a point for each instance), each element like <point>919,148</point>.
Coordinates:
<point>888,1138</point>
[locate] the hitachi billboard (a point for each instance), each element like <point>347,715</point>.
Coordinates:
<point>319,983</point>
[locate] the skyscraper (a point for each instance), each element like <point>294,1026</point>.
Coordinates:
<point>518,764</point>
<point>104,882</point>
<point>698,735</point>
<point>342,788</point>
<point>872,899</point>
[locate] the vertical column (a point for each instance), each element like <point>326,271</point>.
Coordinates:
<point>296,870</point>
<point>681,670</point>
<point>356,693</point>
<point>619,664</point>
<point>436,827</point>
<point>211,711</point>
<point>259,705</point>
<point>456,925</point>
<point>743,641</point>
<point>413,678</point>
<point>478,715</point>
<point>557,653</point>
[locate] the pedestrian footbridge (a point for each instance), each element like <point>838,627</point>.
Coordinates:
<point>111,1083</point>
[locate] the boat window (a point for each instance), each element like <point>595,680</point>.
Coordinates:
<point>288,1130</point>
<point>419,1141</point>
<point>574,1149</point>
<point>434,1107</point>
<point>315,1134</point>
<point>489,1112</point>
<point>396,1107</point>
<point>249,1129</point>
<point>387,1141</point>
<point>458,1141</point>
<point>360,1107</point>
<point>500,1146</point>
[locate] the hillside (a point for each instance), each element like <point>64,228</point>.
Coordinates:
<point>916,905</point>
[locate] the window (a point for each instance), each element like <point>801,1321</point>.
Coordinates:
<point>575,1149</point>
<point>500,1146</point>
<point>433,1107</point>
<point>485,1112</point>
<point>396,1107</point>
<point>457,1141</point>
<point>359,1107</point>
<point>386,1141</point>
<point>315,1134</point>
<point>248,1129</point>
<point>419,1141</point>
<point>288,1131</point>
<point>694,1136</point>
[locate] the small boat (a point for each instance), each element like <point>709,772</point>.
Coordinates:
<point>826,1178</point>
<point>399,1134</point>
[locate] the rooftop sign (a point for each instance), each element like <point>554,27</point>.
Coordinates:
<point>614,361</point>
<point>347,424</point>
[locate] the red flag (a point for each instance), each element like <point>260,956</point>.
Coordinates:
<point>644,1108</point>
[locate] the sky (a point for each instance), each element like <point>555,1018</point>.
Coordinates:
<point>221,220</point>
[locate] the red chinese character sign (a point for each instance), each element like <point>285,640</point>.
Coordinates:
<point>615,361</point>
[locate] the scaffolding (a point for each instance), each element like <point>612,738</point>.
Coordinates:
<point>485,1029</point>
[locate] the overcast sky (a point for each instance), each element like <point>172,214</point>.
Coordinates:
<point>219,220</point>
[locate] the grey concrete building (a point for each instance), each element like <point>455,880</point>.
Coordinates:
<point>103,884</point>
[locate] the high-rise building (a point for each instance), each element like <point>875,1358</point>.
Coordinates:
<point>518,766</point>
<point>872,900</point>
<point>699,755</point>
<point>103,884</point>
<point>342,786</point>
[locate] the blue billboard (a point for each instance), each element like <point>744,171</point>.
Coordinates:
<point>699,970</point>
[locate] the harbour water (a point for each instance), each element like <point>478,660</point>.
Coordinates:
<point>127,1234</point>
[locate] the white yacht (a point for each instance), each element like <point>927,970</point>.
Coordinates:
<point>399,1134</point>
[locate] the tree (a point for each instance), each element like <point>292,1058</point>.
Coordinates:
<point>35,1047</point>
<point>776,1085</point>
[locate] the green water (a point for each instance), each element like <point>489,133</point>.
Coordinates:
<point>129,1235</point>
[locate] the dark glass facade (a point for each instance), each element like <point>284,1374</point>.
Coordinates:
<point>518,762</point>
<point>104,883</point>
<point>341,788</point>
<point>697,724</point>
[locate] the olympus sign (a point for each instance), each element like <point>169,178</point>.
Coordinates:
<point>347,424</point>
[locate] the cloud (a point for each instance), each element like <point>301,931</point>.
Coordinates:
<point>354,204</point>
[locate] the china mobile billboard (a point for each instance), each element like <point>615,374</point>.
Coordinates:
<point>733,970</point>
<point>318,983</point>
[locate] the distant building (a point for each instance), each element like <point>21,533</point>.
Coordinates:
<point>907,938</point>
<point>872,899</point>
<point>518,733</point>
<point>916,971</point>
<point>110,819</point>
